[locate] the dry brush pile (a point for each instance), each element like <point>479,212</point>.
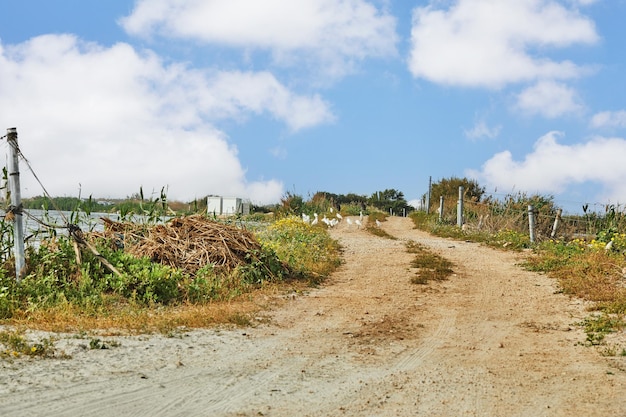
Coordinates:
<point>186,243</point>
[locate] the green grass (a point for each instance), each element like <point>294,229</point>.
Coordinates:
<point>60,294</point>
<point>431,266</point>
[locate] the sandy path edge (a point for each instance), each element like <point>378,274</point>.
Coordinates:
<point>494,340</point>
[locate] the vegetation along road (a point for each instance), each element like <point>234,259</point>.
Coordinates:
<point>492,340</point>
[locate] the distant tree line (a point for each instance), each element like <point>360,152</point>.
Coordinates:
<point>66,204</point>
<point>389,201</point>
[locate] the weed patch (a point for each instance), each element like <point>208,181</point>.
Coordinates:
<point>431,266</point>
<point>373,221</point>
<point>598,326</point>
<point>14,345</point>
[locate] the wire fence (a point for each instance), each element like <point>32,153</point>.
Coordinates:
<point>511,212</point>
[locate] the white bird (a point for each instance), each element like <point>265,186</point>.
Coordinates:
<point>314,222</point>
<point>331,209</point>
<point>361,215</point>
<point>333,222</point>
<point>349,220</point>
<point>325,220</point>
<point>609,246</point>
<point>306,218</point>
<point>339,216</point>
<point>377,223</point>
<point>358,223</point>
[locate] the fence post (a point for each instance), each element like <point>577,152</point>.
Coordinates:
<point>531,223</point>
<point>459,208</point>
<point>441,200</point>
<point>16,203</point>
<point>557,220</point>
<point>430,180</point>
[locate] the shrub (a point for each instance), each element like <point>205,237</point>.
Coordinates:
<point>308,250</point>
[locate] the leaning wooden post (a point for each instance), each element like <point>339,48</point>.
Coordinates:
<point>16,203</point>
<point>531,223</point>
<point>557,220</point>
<point>459,208</point>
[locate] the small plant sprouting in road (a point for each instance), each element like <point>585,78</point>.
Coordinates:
<point>597,327</point>
<point>13,344</point>
<point>432,267</point>
<point>96,343</point>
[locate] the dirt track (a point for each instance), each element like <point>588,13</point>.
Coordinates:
<point>494,340</point>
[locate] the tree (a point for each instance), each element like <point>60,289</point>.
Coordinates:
<point>449,189</point>
<point>390,200</point>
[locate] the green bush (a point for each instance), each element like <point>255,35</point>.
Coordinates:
<point>307,250</point>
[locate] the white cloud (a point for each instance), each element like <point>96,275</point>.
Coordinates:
<point>552,167</point>
<point>114,119</point>
<point>259,92</point>
<point>491,43</point>
<point>550,99</point>
<point>609,119</point>
<point>481,131</point>
<point>332,33</point>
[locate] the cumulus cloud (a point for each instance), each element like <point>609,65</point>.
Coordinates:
<point>549,99</point>
<point>553,167</point>
<point>612,119</point>
<point>492,43</point>
<point>259,92</point>
<point>113,119</point>
<point>333,33</point>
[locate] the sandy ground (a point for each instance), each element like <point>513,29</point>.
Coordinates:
<point>493,340</point>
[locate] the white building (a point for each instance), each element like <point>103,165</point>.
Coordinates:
<point>218,205</point>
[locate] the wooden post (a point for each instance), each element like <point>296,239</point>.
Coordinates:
<point>557,220</point>
<point>441,200</point>
<point>531,223</point>
<point>16,204</point>
<point>459,208</point>
<point>430,180</point>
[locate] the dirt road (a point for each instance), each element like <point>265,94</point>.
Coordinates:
<point>493,340</point>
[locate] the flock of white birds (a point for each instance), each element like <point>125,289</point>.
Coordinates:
<point>334,220</point>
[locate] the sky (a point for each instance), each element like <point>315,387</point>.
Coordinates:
<point>256,99</point>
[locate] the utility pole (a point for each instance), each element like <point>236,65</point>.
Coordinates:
<point>16,203</point>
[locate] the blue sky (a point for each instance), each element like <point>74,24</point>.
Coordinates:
<point>255,98</point>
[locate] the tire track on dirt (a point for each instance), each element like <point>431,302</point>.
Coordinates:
<point>414,357</point>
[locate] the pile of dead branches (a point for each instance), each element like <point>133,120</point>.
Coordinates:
<point>186,243</point>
